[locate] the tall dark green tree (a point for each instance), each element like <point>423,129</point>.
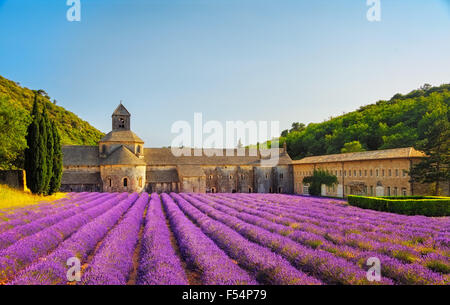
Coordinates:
<point>434,129</point>
<point>32,152</point>
<point>49,150</point>
<point>41,177</point>
<point>55,181</point>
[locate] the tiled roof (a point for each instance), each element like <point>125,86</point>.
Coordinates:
<point>89,156</point>
<point>78,155</point>
<point>164,156</point>
<point>122,156</point>
<point>121,110</point>
<point>122,136</point>
<point>408,152</point>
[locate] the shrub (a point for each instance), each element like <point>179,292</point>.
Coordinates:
<point>418,205</point>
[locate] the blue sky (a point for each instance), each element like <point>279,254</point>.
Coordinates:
<point>286,60</point>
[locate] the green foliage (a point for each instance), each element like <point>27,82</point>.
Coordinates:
<point>13,129</point>
<point>434,131</point>
<point>43,157</point>
<point>318,178</point>
<point>427,206</point>
<point>32,152</point>
<point>55,181</point>
<point>384,125</point>
<point>41,177</point>
<point>350,147</point>
<point>15,115</point>
<point>49,150</point>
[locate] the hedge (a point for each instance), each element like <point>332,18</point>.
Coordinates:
<point>426,205</point>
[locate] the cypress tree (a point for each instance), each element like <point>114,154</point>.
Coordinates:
<point>32,152</point>
<point>49,148</point>
<point>55,182</point>
<point>41,174</point>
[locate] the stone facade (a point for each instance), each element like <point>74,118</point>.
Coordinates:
<point>121,163</point>
<point>13,178</point>
<point>374,173</point>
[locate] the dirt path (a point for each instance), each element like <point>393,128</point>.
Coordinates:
<point>193,276</point>
<point>132,279</point>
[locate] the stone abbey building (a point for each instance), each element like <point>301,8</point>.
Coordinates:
<point>121,163</point>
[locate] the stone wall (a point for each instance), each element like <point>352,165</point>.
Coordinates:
<point>263,180</point>
<point>162,187</point>
<point>114,176</point>
<point>193,185</point>
<point>13,178</point>
<point>78,188</point>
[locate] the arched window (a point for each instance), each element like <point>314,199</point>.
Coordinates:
<point>110,182</point>
<point>213,190</point>
<point>139,149</point>
<point>125,182</point>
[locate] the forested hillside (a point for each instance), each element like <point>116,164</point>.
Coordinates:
<point>15,107</point>
<point>385,124</point>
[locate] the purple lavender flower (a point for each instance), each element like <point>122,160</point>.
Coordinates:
<point>159,264</point>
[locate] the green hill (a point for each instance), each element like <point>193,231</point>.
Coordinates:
<point>385,124</point>
<point>15,106</point>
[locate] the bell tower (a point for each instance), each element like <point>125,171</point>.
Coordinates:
<point>121,119</point>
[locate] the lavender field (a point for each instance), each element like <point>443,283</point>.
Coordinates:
<point>207,239</point>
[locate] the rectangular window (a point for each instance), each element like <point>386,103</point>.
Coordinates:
<point>396,172</point>
<point>389,191</point>
<point>354,172</point>
<point>371,190</point>
<point>395,191</point>
<point>360,173</point>
<point>404,191</point>
<point>376,173</point>
<point>389,173</point>
<point>365,173</point>
<point>371,173</point>
<point>382,173</point>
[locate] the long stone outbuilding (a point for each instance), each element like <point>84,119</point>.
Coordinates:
<point>371,173</point>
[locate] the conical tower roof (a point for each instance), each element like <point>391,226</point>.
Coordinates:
<point>123,156</point>
<point>121,110</point>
